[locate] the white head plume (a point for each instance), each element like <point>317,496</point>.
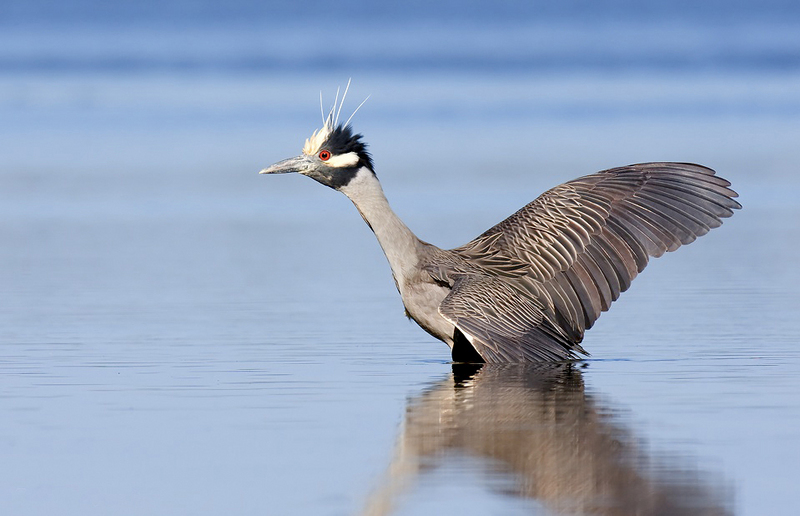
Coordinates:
<point>314,143</point>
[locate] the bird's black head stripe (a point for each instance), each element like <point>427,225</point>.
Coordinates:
<point>342,140</point>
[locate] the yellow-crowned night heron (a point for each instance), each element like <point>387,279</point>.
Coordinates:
<point>528,288</point>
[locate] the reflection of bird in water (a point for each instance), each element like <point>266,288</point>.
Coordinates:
<point>528,288</point>
<point>562,448</point>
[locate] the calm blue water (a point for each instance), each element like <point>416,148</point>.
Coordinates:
<point>179,335</point>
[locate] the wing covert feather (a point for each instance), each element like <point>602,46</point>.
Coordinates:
<point>503,324</point>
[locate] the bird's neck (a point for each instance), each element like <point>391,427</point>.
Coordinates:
<point>399,244</point>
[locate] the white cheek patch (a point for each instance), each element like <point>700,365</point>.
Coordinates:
<point>343,160</point>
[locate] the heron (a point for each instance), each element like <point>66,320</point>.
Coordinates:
<point>527,289</point>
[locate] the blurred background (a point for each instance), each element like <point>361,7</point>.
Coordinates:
<point>161,87</point>
<point>149,278</point>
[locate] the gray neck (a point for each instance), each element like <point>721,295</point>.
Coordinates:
<point>399,244</point>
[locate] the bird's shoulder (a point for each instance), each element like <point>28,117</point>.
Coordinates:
<point>444,266</point>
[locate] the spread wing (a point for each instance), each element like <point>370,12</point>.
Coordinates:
<point>585,240</point>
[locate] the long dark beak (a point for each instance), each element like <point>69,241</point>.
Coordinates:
<point>296,164</point>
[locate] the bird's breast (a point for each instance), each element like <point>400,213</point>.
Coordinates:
<point>422,300</point>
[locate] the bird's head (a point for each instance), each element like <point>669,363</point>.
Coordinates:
<point>333,155</point>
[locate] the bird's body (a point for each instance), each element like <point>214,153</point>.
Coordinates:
<point>528,288</point>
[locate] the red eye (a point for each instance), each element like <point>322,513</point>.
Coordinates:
<point>324,155</point>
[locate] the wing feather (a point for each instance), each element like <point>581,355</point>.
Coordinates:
<point>581,244</point>
<point>503,324</point>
